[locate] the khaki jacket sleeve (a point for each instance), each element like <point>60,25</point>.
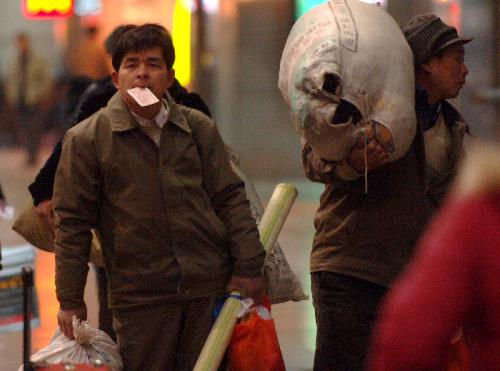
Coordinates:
<point>227,193</point>
<point>77,191</point>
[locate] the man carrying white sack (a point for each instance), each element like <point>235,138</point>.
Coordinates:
<point>347,76</point>
<point>154,179</point>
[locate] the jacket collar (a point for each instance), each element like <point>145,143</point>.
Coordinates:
<point>427,114</point>
<point>452,116</point>
<point>122,120</point>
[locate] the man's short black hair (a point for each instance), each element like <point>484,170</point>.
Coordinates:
<point>115,35</point>
<point>144,37</point>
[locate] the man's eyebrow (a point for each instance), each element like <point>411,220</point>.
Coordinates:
<point>155,59</point>
<point>131,58</point>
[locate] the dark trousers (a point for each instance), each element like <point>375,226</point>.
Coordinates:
<point>345,308</point>
<point>105,314</point>
<point>164,336</point>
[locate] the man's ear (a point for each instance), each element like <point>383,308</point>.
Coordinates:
<point>114,77</point>
<point>170,77</point>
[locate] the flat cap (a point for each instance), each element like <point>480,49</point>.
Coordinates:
<point>427,35</point>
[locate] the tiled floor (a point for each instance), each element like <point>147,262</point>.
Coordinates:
<point>294,321</point>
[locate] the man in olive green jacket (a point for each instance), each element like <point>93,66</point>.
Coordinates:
<point>173,218</point>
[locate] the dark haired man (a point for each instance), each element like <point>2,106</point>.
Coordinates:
<point>173,218</point>
<point>95,97</point>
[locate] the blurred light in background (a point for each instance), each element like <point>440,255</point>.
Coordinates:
<point>210,6</point>
<point>181,35</point>
<point>455,10</point>
<point>47,9</point>
<point>87,7</point>
<point>303,6</point>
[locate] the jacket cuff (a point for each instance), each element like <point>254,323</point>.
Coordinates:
<point>70,304</point>
<point>344,171</point>
<point>249,268</point>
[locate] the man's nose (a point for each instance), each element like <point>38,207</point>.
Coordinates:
<point>465,69</point>
<point>142,71</point>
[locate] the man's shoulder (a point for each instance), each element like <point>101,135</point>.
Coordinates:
<point>92,125</point>
<point>194,112</point>
<point>196,119</point>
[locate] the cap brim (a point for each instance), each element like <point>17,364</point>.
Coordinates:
<point>458,40</point>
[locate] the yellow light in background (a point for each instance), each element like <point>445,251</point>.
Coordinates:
<point>47,8</point>
<point>181,35</point>
<point>36,6</point>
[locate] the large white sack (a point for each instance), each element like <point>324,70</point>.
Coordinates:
<point>363,46</point>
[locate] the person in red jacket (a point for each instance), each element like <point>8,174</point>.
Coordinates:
<point>452,283</point>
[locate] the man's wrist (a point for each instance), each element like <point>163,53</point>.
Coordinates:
<point>248,274</point>
<point>71,305</point>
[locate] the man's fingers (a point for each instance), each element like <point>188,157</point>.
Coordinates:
<point>67,330</point>
<point>46,219</point>
<point>383,158</point>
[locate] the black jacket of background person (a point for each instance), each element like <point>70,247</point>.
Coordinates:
<point>95,98</point>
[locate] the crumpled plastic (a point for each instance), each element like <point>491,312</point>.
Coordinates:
<point>347,53</point>
<point>281,282</point>
<point>91,346</point>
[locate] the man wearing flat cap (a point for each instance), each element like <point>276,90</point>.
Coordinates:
<point>440,74</point>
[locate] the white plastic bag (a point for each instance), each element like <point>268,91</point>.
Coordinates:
<point>89,346</point>
<point>349,52</point>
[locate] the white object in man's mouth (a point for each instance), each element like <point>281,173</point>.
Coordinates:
<point>143,96</point>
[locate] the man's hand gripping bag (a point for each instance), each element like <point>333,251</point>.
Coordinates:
<point>347,71</point>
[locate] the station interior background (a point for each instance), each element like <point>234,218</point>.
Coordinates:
<point>229,53</point>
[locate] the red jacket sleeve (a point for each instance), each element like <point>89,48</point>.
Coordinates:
<point>431,300</point>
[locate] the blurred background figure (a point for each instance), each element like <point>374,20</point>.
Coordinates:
<point>27,85</point>
<point>2,199</point>
<point>89,57</point>
<point>453,281</point>
<point>2,206</point>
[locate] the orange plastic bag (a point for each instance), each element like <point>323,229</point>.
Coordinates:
<point>254,345</point>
